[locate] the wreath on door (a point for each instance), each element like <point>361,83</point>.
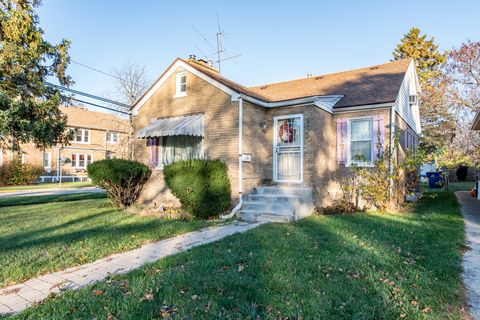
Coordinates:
<point>285,132</point>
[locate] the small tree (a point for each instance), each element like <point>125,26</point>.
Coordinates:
<point>122,179</point>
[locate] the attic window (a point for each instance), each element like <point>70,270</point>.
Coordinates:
<point>181,84</point>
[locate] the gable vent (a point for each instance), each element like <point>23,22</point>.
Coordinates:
<point>413,99</point>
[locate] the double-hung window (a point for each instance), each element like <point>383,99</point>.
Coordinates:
<point>180,84</point>
<point>81,135</point>
<point>112,137</point>
<point>360,144</point>
<point>81,160</point>
<point>47,159</point>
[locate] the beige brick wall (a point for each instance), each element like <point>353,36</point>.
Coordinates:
<point>221,129</point>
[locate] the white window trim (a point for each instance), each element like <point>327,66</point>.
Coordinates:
<point>110,140</point>
<point>178,84</point>
<point>349,136</point>
<point>83,136</point>
<point>49,157</point>
<point>77,161</point>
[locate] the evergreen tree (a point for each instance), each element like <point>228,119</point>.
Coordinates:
<point>28,107</point>
<point>425,53</point>
<point>438,123</point>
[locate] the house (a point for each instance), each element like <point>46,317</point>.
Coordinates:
<point>290,138</point>
<point>98,135</point>
<point>476,126</point>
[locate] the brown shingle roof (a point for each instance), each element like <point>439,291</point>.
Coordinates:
<point>370,85</point>
<point>79,117</point>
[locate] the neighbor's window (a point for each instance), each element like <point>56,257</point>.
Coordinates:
<point>47,159</point>
<point>80,160</point>
<point>81,135</point>
<point>360,140</point>
<point>165,150</point>
<point>112,137</point>
<point>181,84</point>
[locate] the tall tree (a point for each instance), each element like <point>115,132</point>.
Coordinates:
<point>438,124</point>
<point>425,53</point>
<point>28,107</point>
<point>131,82</point>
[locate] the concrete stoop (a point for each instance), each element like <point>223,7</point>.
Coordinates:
<point>276,204</point>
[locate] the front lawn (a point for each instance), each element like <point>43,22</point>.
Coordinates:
<point>21,201</point>
<point>38,186</point>
<point>368,266</point>
<point>36,239</point>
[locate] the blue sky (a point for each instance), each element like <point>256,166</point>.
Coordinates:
<point>277,40</point>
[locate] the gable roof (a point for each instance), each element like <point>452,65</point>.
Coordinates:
<point>370,85</point>
<point>83,118</point>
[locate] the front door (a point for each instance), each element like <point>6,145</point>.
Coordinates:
<point>288,148</point>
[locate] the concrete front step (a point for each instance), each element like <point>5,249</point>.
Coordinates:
<point>277,203</point>
<point>269,206</point>
<point>284,191</point>
<point>274,198</point>
<point>260,216</point>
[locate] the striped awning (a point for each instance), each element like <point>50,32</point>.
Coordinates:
<point>175,126</point>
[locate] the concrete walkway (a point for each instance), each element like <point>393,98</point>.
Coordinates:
<point>48,192</point>
<point>16,298</point>
<point>471,258</point>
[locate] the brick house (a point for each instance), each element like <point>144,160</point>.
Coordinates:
<point>98,136</point>
<point>293,136</point>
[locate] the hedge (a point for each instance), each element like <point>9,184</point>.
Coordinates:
<point>122,179</point>
<point>202,186</point>
<point>16,173</point>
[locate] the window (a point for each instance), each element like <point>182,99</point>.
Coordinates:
<point>165,150</point>
<point>181,84</point>
<point>81,135</point>
<point>80,160</point>
<point>360,148</point>
<point>112,137</point>
<point>47,159</point>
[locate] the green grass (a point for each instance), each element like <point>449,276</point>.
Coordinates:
<point>37,239</point>
<point>461,186</point>
<point>48,186</point>
<point>21,201</point>
<point>367,266</point>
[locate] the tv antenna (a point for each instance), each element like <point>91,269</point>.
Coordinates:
<point>219,50</point>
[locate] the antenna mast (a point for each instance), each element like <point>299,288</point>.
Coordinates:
<point>219,45</point>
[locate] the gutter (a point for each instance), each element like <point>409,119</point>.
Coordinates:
<point>323,102</point>
<point>240,162</point>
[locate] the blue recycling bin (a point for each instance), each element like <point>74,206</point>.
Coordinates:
<point>435,179</point>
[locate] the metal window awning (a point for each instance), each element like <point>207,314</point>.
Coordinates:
<point>191,125</point>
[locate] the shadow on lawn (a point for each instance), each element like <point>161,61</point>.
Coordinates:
<point>329,267</point>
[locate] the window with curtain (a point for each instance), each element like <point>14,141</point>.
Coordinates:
<point>361,140</point>
<point>165,150</point>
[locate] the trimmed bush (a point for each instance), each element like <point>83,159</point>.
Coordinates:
<point>16,173</point>
<point>122,179</point>
<point>202,186</point>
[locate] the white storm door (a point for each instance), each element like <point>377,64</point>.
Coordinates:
<point>288,148</point>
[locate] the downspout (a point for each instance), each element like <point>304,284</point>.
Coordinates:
<point>240,162</point>
<point>392,146</point>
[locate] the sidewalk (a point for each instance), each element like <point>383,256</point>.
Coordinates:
<point>16,298</point>
<point>471,258</point>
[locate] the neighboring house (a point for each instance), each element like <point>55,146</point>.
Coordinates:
<point>300,133</point>
<point>98,135</point>
<point>476,126</point>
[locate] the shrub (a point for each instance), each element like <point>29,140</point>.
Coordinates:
<point>202,186</point>
<point>122,179</point>
<point>16,173</point>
